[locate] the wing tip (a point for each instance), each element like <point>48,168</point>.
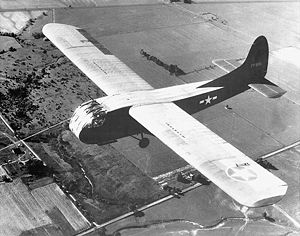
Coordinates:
<point>270,198</point>
<point>50,27</point>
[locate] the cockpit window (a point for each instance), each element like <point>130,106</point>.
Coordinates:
<point>98,113</point>
<point>93,106</point>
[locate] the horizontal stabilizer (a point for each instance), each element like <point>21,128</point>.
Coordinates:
<point>268,89</point>
<point>264,87</point>
<point>227,65</point>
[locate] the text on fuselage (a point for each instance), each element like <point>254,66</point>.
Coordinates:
<point>257,64</point>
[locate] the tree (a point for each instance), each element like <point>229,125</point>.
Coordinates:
<point>12,49</point>
<point>37,167</point>
<point>38,35</point>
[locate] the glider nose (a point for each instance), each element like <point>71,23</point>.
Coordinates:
<point>88,115</point>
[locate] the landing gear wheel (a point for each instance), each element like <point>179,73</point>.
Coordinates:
<point>144,142</point>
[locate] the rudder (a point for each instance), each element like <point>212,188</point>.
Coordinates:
<point>256,65</point>
<point>250,74</point>
<point>256,62</point>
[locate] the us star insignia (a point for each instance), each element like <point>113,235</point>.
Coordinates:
<point>241,173</point>
<point>208,100</point>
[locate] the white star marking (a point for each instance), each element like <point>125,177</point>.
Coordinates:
<point>244,174</point>
<point>241,173</point>
<point>208,100</point>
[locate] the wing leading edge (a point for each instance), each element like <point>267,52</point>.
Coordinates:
<point>110,74</point>
<point>231,170</point>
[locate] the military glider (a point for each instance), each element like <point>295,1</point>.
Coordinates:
<point>133,107</point>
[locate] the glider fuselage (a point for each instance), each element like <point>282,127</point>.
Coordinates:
<point>107,118</point>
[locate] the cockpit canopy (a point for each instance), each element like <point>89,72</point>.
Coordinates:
<point>88,115</point>
<point>97,112</point>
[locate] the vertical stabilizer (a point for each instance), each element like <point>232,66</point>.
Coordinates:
<point>256,63</point>
<point>250,74</point>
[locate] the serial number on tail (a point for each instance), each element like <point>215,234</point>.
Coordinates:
<point>256,64</point>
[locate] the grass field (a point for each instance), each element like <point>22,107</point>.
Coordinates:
<point>19,210</point>
<point>51,196</point>
<point>24,211</point>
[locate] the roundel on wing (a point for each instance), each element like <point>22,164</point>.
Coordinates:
<point>241,173</point>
